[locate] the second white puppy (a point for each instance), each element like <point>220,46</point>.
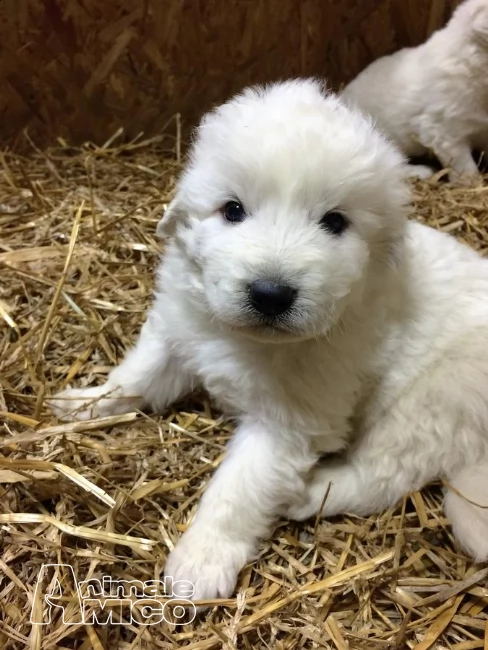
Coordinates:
<point>296,292</point>
<point>434,97</point>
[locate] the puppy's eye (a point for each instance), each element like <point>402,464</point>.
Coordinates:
<point>233,211</point>
<point>334,222</point>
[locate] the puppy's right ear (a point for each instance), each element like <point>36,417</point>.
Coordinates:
<point>471,17</point>
<point>480,26</point>
<point>168,222</point>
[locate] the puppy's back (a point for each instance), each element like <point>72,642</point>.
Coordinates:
<point>388,90</point>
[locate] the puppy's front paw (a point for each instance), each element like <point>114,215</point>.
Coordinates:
<point>209,560</point>
<point>421,172</point>
<point>467,178</point>
<point>88,403</point>
<point>306,507</point>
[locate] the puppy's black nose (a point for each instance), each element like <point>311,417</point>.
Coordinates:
<point>271,298</point>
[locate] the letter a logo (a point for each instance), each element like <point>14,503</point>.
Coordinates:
<point>56,589</point>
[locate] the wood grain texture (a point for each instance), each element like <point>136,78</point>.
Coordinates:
<point>83,68</point>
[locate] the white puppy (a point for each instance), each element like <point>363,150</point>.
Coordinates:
<point>434,98</point>
<point>296,292</point>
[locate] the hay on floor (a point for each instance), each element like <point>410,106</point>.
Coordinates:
<point>110,497</point>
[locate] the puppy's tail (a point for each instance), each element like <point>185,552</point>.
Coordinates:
<point>466,505</point>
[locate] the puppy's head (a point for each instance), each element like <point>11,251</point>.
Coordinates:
<point>470,23</point>
<point>289,202</point>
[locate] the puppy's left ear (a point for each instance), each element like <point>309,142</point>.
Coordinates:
<point>172,215</point>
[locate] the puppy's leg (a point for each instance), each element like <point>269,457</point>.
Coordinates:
<point>390,459</point>
<point>437,429</point>
<point>260,473</point>
<point>358,488</point>
<point>353,486</point>
<point>466,505</point>
<point>149,375</point>
<point>458,157</point>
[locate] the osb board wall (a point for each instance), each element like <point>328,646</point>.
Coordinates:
<point>82,68</point>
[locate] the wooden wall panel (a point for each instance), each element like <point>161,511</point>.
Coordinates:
<point>82,68</point>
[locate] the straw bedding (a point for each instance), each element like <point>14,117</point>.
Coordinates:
<point>110,497</point>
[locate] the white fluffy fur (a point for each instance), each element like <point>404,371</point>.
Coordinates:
<point>434,97</point>
<point>382,362</point>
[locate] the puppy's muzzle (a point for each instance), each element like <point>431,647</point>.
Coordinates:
<point>271,298</point>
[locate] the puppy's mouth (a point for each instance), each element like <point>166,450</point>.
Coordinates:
<point>267,334</point>
<point>269,329</point>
